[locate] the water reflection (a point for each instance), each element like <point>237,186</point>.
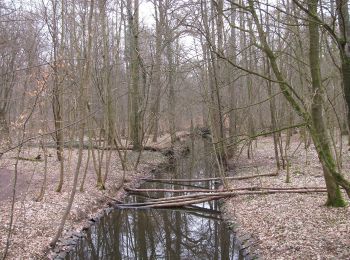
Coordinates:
<point>195,232</point>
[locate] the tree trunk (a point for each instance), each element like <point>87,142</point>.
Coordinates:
<point>315,123</point>
<point>217,84</point>
<point>344,41</point>
<point>56,92</point>
<point>157,70</point>
<point>4,129</point>
<point>171,80</point>
<point>135,121</point>
<point>232,115</point>
<point>321,135</point>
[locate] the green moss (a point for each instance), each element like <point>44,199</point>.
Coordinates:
<point>100,186</point>
<point>336,202</point>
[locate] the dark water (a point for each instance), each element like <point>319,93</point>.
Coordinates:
<point>195,232</point>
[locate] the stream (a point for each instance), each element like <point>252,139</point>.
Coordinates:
<point>195,232</point>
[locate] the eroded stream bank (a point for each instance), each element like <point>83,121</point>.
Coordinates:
<point>192,232</point>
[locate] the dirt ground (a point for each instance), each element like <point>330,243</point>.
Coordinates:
<point>289,226</point>
<point>35,223</point>
<point>6,184</point>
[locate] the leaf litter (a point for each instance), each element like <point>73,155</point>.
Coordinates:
<point>289,226</point>
<point>35,223</point>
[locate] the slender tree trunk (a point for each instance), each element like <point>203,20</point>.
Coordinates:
<point>56,95</point>
<point>157,69</point>
<point>169,39</point>
<point>233,53</point>
<point>4,128</point>
<point>82,112</point>
<point>43,185</point>
<point>135,120</point>
<point>273,119</point>
<point>217,84</point>
<point>106,83</point>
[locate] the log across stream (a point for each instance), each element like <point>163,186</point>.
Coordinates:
<point>193,231</point>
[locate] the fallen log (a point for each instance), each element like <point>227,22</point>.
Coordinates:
<point>182,203</point>
<point>97,147</point>
<point>35,159</point>
<point>176,199</point>
<point>166,190</point>
<point>113,199</point>
<point>239,192</point>
<point>211,179</point>
<point>186,200</point>
<point>214,190</point>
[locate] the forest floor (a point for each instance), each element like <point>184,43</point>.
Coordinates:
<point>289,226</point>
<point>35,223</point>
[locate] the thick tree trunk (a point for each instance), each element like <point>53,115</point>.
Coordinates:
<point>315,123</point>
<point>344,42</point>
<point>346,85</point>
<point>321,136</point>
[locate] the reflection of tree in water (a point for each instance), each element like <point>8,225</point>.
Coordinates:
<point>195,232</point>
<point>157,234</point>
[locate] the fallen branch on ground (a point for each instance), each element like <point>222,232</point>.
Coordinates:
<point>252,188</point>
<point>113,199</point>
<point>166,190</point>
<point>185,200</point>
<point>98,147</point>
<point>36,159</point>
<point>211,179</point>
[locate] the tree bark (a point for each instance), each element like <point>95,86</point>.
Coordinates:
<point>171,78</point>
<point>4,128</point>
<point>321,137</point>
<point>135,120</point>
<point>344,42</point>
<point>157,70</point>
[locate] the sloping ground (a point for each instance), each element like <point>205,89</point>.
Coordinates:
<point>6,184</point>
<point>290,226</point>
<point>35,223</point>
